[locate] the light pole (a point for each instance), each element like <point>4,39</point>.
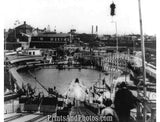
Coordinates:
<point>116,36</point>
<point>116,42</point>
<point>143,61</point>
<point>112,7</point>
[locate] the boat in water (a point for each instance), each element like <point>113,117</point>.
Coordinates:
<point>76,90</point>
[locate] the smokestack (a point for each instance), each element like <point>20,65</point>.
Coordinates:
<point>96,29</point>
<point>92,29</point>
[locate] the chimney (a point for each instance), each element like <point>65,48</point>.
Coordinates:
<point>96,29</point>
<point>55,29</point>
<point>92,29</point>
<point>24,22</point>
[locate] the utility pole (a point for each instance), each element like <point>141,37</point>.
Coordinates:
<point>143,61</point>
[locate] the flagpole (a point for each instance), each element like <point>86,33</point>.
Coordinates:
<point>143,60</point>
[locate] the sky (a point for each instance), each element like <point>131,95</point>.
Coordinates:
<point>81,15</point>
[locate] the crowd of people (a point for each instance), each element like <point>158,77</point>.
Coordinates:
<point>119,109</point>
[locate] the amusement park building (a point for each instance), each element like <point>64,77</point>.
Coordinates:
<point>49,40</point>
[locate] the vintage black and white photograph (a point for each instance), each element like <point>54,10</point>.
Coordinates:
<point>79,61</point>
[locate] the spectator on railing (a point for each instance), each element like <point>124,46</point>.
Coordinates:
<point>53,91</point>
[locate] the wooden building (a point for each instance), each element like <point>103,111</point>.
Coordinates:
<point>50,40</point>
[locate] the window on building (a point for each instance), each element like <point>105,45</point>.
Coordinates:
<point>33,53</point>
<point>51,39</point>
<point>30,53</point>
<point>41,39</point>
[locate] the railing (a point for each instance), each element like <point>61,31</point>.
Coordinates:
<point>150,107</point>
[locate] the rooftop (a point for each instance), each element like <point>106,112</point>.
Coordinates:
<point>24,25</point>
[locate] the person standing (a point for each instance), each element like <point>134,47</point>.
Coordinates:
<point>108,112</point>
<point>124,101</point>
